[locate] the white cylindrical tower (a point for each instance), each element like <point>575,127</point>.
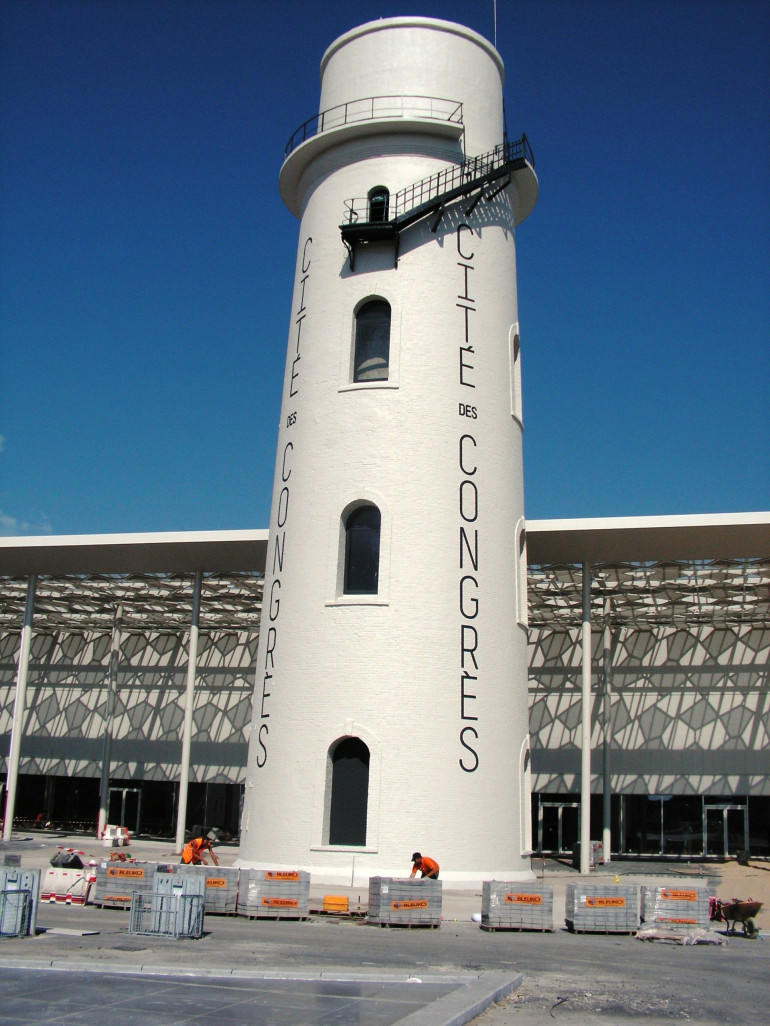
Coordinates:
<point>390,710</point>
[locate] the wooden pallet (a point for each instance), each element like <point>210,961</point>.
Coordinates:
<point>273,919</point>
<point>614,933</point>
<point>350,914</point>
<point>406,926</point>
<point>515,929</point>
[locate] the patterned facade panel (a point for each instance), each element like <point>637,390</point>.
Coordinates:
<point>68,695</point>
<point>689,710</point>
<point>690,707</point>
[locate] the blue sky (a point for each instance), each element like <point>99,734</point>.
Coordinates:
<point>146,259</point>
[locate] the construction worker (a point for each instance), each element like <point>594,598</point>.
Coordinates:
<point>194,850</point>
<point>427,867</point>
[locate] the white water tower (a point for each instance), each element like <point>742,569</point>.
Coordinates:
<point>390,712</point>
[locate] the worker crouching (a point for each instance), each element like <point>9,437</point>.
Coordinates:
<point>195,849</point>
<point>426,867</point>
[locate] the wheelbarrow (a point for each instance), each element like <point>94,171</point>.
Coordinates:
<point>736,911</point>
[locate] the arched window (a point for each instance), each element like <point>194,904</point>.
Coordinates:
<point>525,797</point>
<point>372,354</point>
<point>515,354</point>
<point>362,551</point>
<point>522,602</point>
<point>349,793</point>
<point>378,204</point>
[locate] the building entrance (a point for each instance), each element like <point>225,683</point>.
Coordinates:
<point>558,827</point>
<point>725,829</point>
<point>125,807</point>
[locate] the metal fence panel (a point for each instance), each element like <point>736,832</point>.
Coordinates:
<point>170,915</point>
<point>15,913</point>
<point>16,879</point>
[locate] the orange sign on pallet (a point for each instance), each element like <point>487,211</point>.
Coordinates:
<point>409,904</point>
<point>281,902</point>
<point>215,881</point>
<point>524,899</point>
<point>669,895</point>
<point>275,874</point>
<point>606,902</point>
<point>120,871</point>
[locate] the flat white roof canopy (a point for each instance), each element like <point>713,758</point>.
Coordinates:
<point>633,539</point>
<point>645,571</point>
<point>161,552</point>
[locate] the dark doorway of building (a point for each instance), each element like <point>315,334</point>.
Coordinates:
<point>69,803</point>
<point>378,204</point>
<point>125,808</point>
<point>350,792</point>
<point>558,826</point>
<point>726,829</point>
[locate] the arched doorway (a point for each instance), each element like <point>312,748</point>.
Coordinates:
<point>350,792</point>
<point>379,200</point>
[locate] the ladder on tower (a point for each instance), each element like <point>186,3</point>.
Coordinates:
<point>481,177</point>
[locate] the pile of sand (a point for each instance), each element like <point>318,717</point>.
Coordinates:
<point>744,882</point>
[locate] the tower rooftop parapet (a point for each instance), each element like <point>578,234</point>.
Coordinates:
<point>379,108</point>
<point>358,119</point>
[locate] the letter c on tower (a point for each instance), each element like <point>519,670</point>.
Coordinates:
<point>468,228</point>
<point>286,474</point>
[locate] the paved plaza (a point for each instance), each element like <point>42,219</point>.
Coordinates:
<point>83,967</point>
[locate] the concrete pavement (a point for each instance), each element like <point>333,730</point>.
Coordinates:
<point>328,969</point>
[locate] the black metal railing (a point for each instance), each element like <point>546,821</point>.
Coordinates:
<point>458,178</point>
<point>377,108</point>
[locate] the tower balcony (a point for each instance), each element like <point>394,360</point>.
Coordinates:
<point>372,115</point>
<point>379,108</point>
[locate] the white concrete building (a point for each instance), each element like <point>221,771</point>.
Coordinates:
<point>686,599</point>
<point>392,682</point>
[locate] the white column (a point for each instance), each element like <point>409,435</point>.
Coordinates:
<point>18,708</point>
<point>184,771</point>
<point>112,684</point>
<point>585,743</point>
<point>607,737</point>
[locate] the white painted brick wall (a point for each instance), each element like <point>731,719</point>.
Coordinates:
<point>387,669</point>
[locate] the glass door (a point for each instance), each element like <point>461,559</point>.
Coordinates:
<point>570,826</point>
<point>558,827</point>
<point>125,807</point>
<point>725,829</point>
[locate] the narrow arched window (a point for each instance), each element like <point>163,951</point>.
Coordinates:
<point>349,792</point>
<point>362,551</point>
<point>379,198</point>
<point>522,603</point>
<point>525,797</point>
<point>515,353</point>
<point>372,352</point>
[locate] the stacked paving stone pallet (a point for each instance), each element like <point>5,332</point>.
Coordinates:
<point>220,888</point>
<point>516,906</point>
<point>687,906</point>
<point>117,881</point>
<point>274,894</point>
<point>597,908</point>
<point>396,902</point>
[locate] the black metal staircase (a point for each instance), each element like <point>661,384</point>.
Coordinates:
<point>485,176</point>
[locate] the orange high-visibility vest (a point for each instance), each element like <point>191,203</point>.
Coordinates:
<point>192,851</point>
